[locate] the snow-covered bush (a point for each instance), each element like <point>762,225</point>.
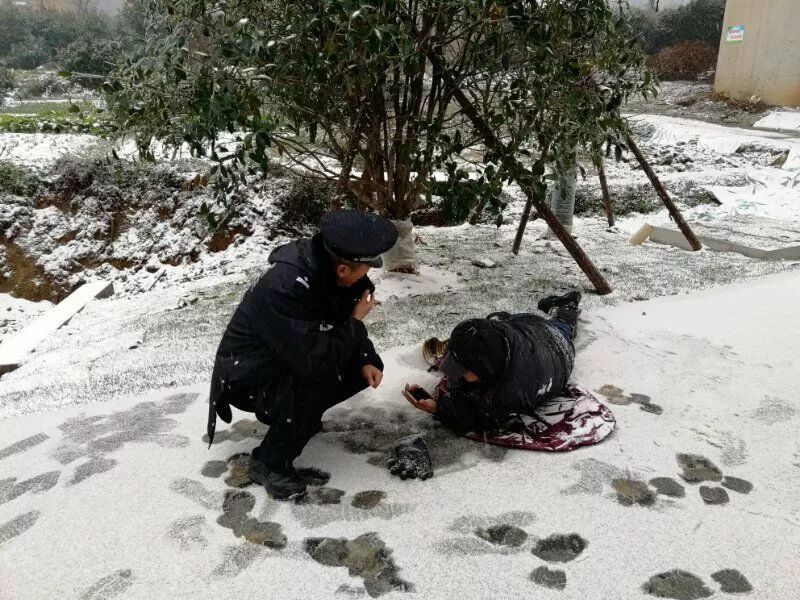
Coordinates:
<point>96,57</point>
<point>16,180</point>
<point>117,182</point>
<point>456,199</point>
<point>686,61</point>
<point>47,84</point>
<point>307,200</point>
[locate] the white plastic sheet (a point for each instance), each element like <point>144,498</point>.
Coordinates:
<point>562,197</point>
<point>402,257</point>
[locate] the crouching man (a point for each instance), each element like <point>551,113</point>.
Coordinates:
<point>296,345</point>
<point>502,365</point>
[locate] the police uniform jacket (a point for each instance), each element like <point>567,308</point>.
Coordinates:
<point>293,327</point>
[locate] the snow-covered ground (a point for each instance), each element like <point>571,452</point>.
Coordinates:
<point>104,477</point>
<point>124,500</point>
<point>40,151</point>
<point>132,344</point>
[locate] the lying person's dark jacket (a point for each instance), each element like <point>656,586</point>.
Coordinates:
<point>539,363</point>
<point>293,325</point>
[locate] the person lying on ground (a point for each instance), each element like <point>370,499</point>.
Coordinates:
<point>503,365</point>
<point>296,345</point>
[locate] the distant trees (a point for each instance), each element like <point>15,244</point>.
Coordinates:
<point>73,34</point>
<point>30,37</point>
<point>92,56</point>
<point>697,21</point>
<point>7,82</point>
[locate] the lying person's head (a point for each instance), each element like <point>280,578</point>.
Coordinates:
<point>477,352</point>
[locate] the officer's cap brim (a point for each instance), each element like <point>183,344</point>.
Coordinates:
<point>358,236</point>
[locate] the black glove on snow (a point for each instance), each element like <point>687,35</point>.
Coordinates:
<point>411,459</point>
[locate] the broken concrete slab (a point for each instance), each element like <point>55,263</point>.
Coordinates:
<point>728,239</point>
<point>780,120</point>
<point>15,349</point>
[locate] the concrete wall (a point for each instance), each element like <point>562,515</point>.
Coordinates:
<point>766,63</point>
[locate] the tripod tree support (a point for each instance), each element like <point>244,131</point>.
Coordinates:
<point>662,193</point>
<point>533,189</point>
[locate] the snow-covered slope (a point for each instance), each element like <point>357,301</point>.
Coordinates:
<point>124,500</point>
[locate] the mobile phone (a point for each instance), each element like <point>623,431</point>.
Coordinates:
<point>420,394</point>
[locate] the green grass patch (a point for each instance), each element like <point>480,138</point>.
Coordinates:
<point>43,108</point>
<point>61,121</point>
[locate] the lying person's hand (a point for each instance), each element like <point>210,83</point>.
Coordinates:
<point>419,398</point>
<point>372,375</point>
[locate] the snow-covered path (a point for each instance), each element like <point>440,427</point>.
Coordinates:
<point>124,500</point>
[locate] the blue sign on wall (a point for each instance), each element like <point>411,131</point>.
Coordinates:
<point>735,34</point>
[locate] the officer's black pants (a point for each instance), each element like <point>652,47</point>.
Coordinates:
<point>293,423</point>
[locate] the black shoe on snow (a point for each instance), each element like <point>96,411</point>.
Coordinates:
<point>547,304</point>
<point>567,314</point>
<point>283,484</point>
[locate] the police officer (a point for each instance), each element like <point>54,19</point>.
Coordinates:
<point>296,344</point>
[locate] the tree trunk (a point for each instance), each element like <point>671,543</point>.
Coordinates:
<point>402,258</point>
<point>476,213</point>
<point>562,197</point>
<point>662,193</point>
<point>343,184</point>
<point>601,173</point>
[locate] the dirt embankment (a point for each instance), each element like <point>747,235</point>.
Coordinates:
<point>123,221</point>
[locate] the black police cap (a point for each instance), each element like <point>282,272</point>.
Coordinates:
<point>358,236</point>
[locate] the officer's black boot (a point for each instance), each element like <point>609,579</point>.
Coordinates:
<point>546,304</point>
<point>281,483</point>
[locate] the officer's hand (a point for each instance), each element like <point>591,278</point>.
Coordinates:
<point>364,306</point>
<point>372,375</point>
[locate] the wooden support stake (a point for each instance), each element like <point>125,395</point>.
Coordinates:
<point>523,223</point>
<point>662,193</point>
